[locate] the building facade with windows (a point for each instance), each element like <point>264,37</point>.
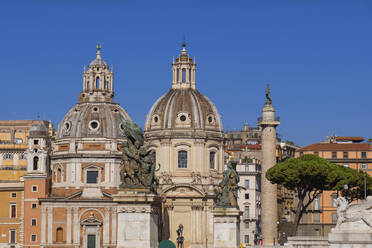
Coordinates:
<point>249,201</point>
<point>59,187</point>
<point>71,179</point>
<point>352,152</point>
<point>13,163</point>
<point>185,130</point>
<point>245,146</point>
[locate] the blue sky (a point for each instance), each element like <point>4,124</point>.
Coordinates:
<point>316,55</point>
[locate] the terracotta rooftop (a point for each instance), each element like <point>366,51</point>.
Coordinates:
<point>337,147</point>
<point>347,138</point>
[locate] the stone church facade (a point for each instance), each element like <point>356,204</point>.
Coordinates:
<point>72,178</point>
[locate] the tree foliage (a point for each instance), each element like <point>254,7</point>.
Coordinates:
<point>355,180</point>
<point>309,175</point>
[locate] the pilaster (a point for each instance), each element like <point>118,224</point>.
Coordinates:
<point>68,234</point>
<point>43,224</point>
<point>50,225</point>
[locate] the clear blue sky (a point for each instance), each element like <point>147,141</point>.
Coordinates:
<point>315,54</point>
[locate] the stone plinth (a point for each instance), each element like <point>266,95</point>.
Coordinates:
<point>138,219</point>
<point>226,223</point>
<point>350,238</point>
<point>307,242</point>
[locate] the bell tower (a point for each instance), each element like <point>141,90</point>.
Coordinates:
<point>183,70</point>
<point>97,81</point>
<point>36,182</point>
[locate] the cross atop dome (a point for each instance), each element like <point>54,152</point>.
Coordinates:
<point>98,61</point>
<point>183,70</point>
<point>98,50</point>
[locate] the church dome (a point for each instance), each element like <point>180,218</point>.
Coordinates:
<point>38,131</point>
<point>183,107</point>
<point>93,120</point>
<point>96,115</point>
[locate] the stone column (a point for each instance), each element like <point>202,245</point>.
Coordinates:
<point>269,206</point>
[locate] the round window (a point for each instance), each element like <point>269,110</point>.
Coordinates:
<point>121,126</point>
<point>210,119</point>
<point>183,118</point>
<point>156,119</point>
<point>94,125</point>
<point>67,126</point>
<point>95,109</point>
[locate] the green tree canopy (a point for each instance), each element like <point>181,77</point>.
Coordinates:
<point>309,175</point>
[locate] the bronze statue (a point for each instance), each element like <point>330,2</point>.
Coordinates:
<point>139,163</point>
<point>180,238</point>
<point>228,188</point>
<point>267,93</point>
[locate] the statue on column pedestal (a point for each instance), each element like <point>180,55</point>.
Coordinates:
<point>139,163</point>
<point>227,193</point>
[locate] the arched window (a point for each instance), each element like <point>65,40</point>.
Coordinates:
<point>182,159</point>
<point>88,85</point>
<point>189,75</point>
<point>59,175</point>
<point>183,75</point>
<point>107,85</point>
<point>97,83</point>
<point>178,75</point>
<point>59,235</point>
<point>36,163</point>
<point>212,160</point>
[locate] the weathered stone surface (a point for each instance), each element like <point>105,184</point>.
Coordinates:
<point>226,227</point>
<point>307,242</point>
<point>138,219</point>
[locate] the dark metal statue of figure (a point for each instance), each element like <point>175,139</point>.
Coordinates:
<point>180,238</point>
<point>227,193</point>
<point>267,93</point>
<point>138,161</point>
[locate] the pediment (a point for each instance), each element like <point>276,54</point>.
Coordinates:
<point>183,190</point>
<point>91,221</point>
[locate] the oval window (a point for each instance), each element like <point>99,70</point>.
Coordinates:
<point>94,125</point>
<point>183,118</point>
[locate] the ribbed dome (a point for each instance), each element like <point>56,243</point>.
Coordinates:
<point>98,61</point>
<point>38,131</point>
<point>183,109</point>
<point>99,119</point>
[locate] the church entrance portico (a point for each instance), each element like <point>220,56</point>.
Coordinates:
<point>189,206</point>
<point>91,232</point>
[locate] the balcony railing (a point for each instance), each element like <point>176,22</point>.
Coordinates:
<point>259,119</point>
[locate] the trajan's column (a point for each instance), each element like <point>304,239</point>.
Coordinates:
<point>269,216</point>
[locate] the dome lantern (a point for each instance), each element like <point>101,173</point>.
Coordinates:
<point>183,70</point>
<point>97,81</point>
